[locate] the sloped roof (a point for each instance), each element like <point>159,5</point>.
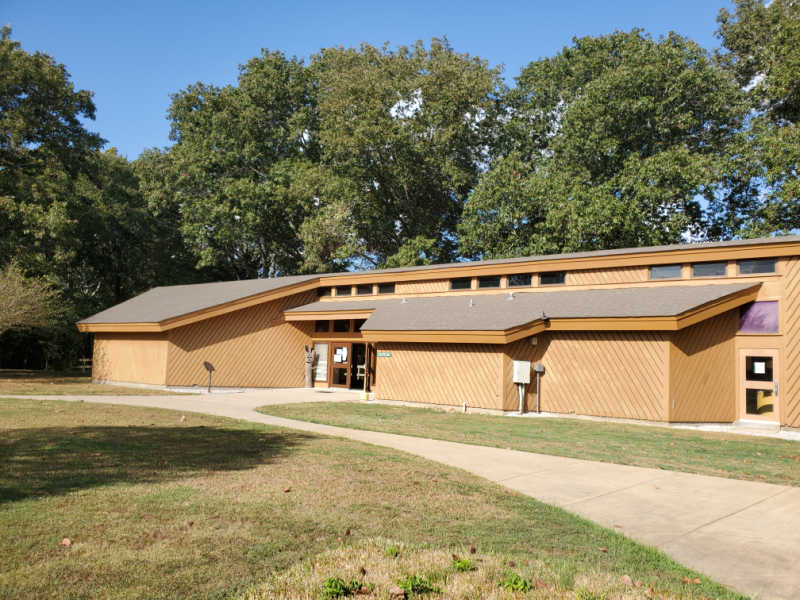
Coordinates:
<point>500,312</point>
<point>161,303</point>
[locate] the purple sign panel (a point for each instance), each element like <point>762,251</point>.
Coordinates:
<point>759,317</point>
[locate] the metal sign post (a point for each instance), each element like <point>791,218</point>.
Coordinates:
<point>210,368</point>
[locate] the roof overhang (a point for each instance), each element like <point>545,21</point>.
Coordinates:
<point>321,315</point>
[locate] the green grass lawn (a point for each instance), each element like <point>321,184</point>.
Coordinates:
<point>40,383</point>
<point>162,505</point>
<point>723,455</point>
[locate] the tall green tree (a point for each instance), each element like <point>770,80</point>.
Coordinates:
<point>761,49</point>
<point>411,129</point>
<point>235,148</point>
<point>610,143</point>
<point>44,146</point>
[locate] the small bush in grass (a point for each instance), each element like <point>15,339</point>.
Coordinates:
<point>414,584</point>
<point>462,564</point>
<point>584,594</point>
<point>335,587</point>
<point>515,583</point>
<point>392,551</point>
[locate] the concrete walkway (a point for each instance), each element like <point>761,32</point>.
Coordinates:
<point>740,533</point>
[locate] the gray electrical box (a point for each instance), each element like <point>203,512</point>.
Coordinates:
<point>538,367</point>
<point>522,371</point>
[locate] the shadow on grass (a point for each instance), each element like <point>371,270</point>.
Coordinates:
<point>55,460</point>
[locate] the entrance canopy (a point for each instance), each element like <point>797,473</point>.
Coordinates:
<point>504,318</point>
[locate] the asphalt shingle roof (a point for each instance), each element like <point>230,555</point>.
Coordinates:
<point>499,312</point>
<point>163,303</point>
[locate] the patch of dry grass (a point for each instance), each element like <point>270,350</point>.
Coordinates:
<point>44,383</point>
<point>156,506</point>
<point>371,562</point>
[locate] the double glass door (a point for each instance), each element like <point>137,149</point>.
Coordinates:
<point>345,359</point>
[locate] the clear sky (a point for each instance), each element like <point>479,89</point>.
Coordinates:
<point>133,55</point>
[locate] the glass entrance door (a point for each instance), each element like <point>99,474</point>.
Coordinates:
<point>758,393</point>
<point>340,357</point>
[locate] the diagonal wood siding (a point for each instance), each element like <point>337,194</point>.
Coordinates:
<point>703,371</point>
<point>601,276</point>
<point>440,374</point>
<point>603,373</point>
<point>130,357</point>
<point>422,287</point>
<point>791,331</point>
<point>252,347</point>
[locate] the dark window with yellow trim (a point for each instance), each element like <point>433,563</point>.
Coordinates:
<point>489,281</point>
<point>341,325</point>
<point>322,326</point>
<point>323,291</point>
<point>665,272</point>
<point>364,290</point>
<point>461,283</point>
<point>552,278</point>
<point>386,288</point>
<point>709,269</point>
<point>344,290</point>
<point>756,266</point>
<point>519,280</point>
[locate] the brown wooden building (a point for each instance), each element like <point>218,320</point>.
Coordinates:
<point>686,333</point>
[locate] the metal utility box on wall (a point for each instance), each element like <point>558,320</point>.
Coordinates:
<point>522,371</point>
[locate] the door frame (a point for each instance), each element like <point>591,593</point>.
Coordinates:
<point>743,384</point>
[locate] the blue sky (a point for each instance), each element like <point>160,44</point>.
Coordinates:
<point>133,55</point>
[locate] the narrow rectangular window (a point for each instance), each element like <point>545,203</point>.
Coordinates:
<point>358,323</point>
<point>756,266</point>
<point>323,291</point>
<point>665,272</point>
<point>322,326</point>
<point>490,281</point>
<point>341,325</point>
<point>519,279</point>
<point>759,317</point>
<point>344,290</point>
<point>386,288</point>
<point>552,278</point>
<point>709,269</point>
<point>320,362</point>
<point>461,283</point>
<point>364,290</point>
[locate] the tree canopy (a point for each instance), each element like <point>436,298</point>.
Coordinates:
<point>614,142</point>
<point>761,49</point>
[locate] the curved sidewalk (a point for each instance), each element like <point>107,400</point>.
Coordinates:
<point>741,533</point>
